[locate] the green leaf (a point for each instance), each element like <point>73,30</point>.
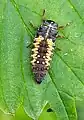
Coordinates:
<point>11,42</point>
<point>63,86</point>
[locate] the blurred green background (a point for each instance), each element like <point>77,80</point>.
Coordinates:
<point>21,115</point>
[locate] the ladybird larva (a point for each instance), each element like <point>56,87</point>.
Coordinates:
<point>43,48</point>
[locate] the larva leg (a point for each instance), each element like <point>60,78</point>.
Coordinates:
<point>62,27</point>
<point>43,15</point>
<point>59,36</point>
<point>32,25</point>
<point>30,45</point>
<point>43,18</point>
<point>57,49</point>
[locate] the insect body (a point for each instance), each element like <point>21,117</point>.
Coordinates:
<point>43,47</point>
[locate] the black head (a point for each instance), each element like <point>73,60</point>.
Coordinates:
<point>50,22</point>
<point>48,29</point>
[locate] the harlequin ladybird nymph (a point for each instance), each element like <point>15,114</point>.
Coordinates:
<point>43,47</point>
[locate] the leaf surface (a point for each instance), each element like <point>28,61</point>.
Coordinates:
<point>63,86</point>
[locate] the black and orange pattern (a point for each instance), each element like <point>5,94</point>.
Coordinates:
<point>43,47</point>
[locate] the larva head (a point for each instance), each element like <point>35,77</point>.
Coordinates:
<point>48,29</point>
<point>50,23</point>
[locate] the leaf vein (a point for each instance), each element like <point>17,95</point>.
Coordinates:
<point>57,90</point>
<point>70,68</point>
<point>4,96</point>
<point>76,10</point>
<point>22,71</point>
<point>17,9</point>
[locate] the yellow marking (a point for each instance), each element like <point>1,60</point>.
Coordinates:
<point>39,39</point>
<point>47,64</point>
<point>36,44</point>
<point>34,55</point>
<point>50,44</point>
<point>35,52</point>
<point>35,49</point>
<point>48,59</point>
<point>50,41</point>
<point>34,58</point>
<point>48,55</point>
<point>33,62</point>
<point>49,52</point>
<point>51,48</point>
<point>47,67</point>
